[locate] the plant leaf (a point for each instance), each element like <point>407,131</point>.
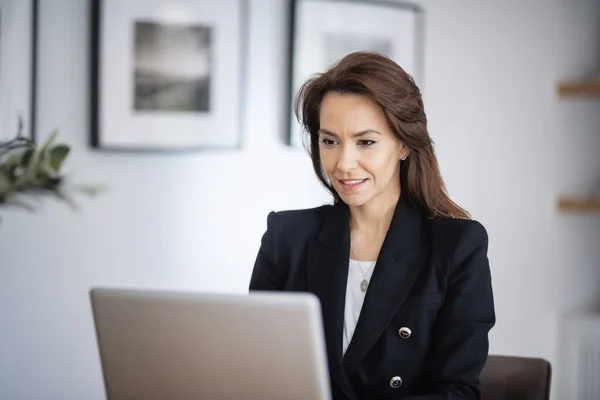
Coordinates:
<point>20,126</point>
<point>27,157</point>
<point>4,187</point>
<point>58,155</point>
<point>89,190</point>
<point>30,172</point>
<point>46,145</point>
<point>66,197</point>
<point>15,201</point>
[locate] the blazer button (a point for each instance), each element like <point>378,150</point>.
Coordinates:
<point>396,382</point>
<point>404,332</point>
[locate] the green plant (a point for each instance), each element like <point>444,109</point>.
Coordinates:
<point>29,171</point>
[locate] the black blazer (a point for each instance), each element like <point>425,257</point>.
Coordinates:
<point>432,276</point>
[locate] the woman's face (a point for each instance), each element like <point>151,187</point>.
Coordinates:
<point>359,152</point>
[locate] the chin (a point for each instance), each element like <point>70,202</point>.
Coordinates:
<point>355,200</point>
<point>356,196</point>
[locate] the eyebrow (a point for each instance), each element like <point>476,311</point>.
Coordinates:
<point>357,134</point>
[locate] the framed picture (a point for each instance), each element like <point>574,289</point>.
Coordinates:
<point>324,31</point>
<point>18,34</point>
<point>167,74</point>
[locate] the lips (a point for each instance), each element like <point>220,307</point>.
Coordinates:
<point>352,181</point>
<point>351,184</point>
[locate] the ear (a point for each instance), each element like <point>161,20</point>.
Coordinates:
<point>404,152</point>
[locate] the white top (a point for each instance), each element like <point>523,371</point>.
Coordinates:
<point>354,297</point>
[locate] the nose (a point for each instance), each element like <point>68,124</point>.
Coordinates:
<point>348,159</point>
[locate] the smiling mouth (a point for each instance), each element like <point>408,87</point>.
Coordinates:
<point>350,185</point>
<point>351,182</point>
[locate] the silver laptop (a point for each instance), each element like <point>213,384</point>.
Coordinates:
<point>168,345</point>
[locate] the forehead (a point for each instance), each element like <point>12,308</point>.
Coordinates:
<point>344,113</point>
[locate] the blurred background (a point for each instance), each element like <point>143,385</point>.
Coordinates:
<point>512,139</point>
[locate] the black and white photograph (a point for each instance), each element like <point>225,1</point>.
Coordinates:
<point>17,68</point>
<point>167,75</point>
<point>172,67</point>
<point>324,31</point>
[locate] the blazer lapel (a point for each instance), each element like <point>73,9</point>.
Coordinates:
<point>400,259</point>
<point>327,277</point>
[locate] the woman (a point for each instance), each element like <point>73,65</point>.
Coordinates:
<point>393,249</point>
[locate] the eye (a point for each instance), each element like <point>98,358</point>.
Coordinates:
<point>327,142</point>
<point>366,142</point>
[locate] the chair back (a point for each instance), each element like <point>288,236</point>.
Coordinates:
<point>511,378</point>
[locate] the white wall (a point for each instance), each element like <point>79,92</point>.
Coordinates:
<point>507,148</point>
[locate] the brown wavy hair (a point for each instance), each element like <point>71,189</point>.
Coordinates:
<point>394,90</point>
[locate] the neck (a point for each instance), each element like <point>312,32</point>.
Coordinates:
<point>374,218</point>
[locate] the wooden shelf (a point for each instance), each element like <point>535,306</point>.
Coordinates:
<point>587,87</point>
<point>579,204</point>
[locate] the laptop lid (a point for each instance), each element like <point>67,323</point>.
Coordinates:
<point>169,345</point>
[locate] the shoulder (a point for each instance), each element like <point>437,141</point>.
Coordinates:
<point>458,237</point>
<point>306,216</point>
<point>462,248</point>
<point>297,222</point>
<point>465,229</point>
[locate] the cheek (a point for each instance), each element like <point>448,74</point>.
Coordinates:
<point>328,162</point>
<point>382,165</point>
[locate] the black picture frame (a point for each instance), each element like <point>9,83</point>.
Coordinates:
<point>167,76</point>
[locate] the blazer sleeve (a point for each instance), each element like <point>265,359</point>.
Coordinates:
<point>459,345</point>
<point>268,273</point>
